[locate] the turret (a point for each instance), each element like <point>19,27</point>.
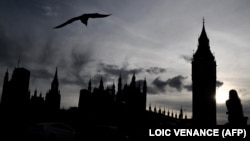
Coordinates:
<point>101,87</point>
<point>89,86</point>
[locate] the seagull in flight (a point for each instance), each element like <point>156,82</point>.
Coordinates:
<point>84,18</point>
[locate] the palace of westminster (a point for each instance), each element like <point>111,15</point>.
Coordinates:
<point>124,108</point>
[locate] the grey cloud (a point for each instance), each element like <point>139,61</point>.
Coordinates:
<point>125,72</point>
<point>155,70</point>
<point>219,83</point>
<point>188,87</point>
<point>41,74</point>
<point>187,58</point>
<point>160,84</point>
<point>175,82</point>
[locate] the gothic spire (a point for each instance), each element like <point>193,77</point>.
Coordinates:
<point>101,87</point>
<point>54,85</point>
<point>203,39</point>
<point>203,51</point>
<point>132,84</point>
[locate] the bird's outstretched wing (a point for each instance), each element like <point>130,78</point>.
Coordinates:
<point>97,15</point>
<point>84,18</point>
<point>68,22</point>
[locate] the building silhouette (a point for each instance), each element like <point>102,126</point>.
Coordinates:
<point>119,110</point>
<point>53,97</point>
<point>15,92</point>
<point>37,103</point>
<point>16,95</point>
<point>129,98</point>
<point>204,83</point>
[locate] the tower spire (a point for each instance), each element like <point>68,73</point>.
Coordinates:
<point>54,85</point>
<point>203,37</point>
<point>203,45</point>
<point>133,80</point>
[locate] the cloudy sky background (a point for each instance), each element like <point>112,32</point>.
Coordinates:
<point>154,39</point>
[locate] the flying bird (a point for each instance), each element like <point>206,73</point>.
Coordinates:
<point>84,18</point>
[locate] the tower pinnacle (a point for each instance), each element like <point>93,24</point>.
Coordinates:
<point>203,37</point>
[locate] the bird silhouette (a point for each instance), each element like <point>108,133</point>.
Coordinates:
<point>84,18</point>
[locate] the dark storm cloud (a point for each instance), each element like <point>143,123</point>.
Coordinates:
<point>116,70</point>
<point>175,82</point>
<point>160,84</point>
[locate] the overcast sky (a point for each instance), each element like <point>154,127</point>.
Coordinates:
<point>155,39</point>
